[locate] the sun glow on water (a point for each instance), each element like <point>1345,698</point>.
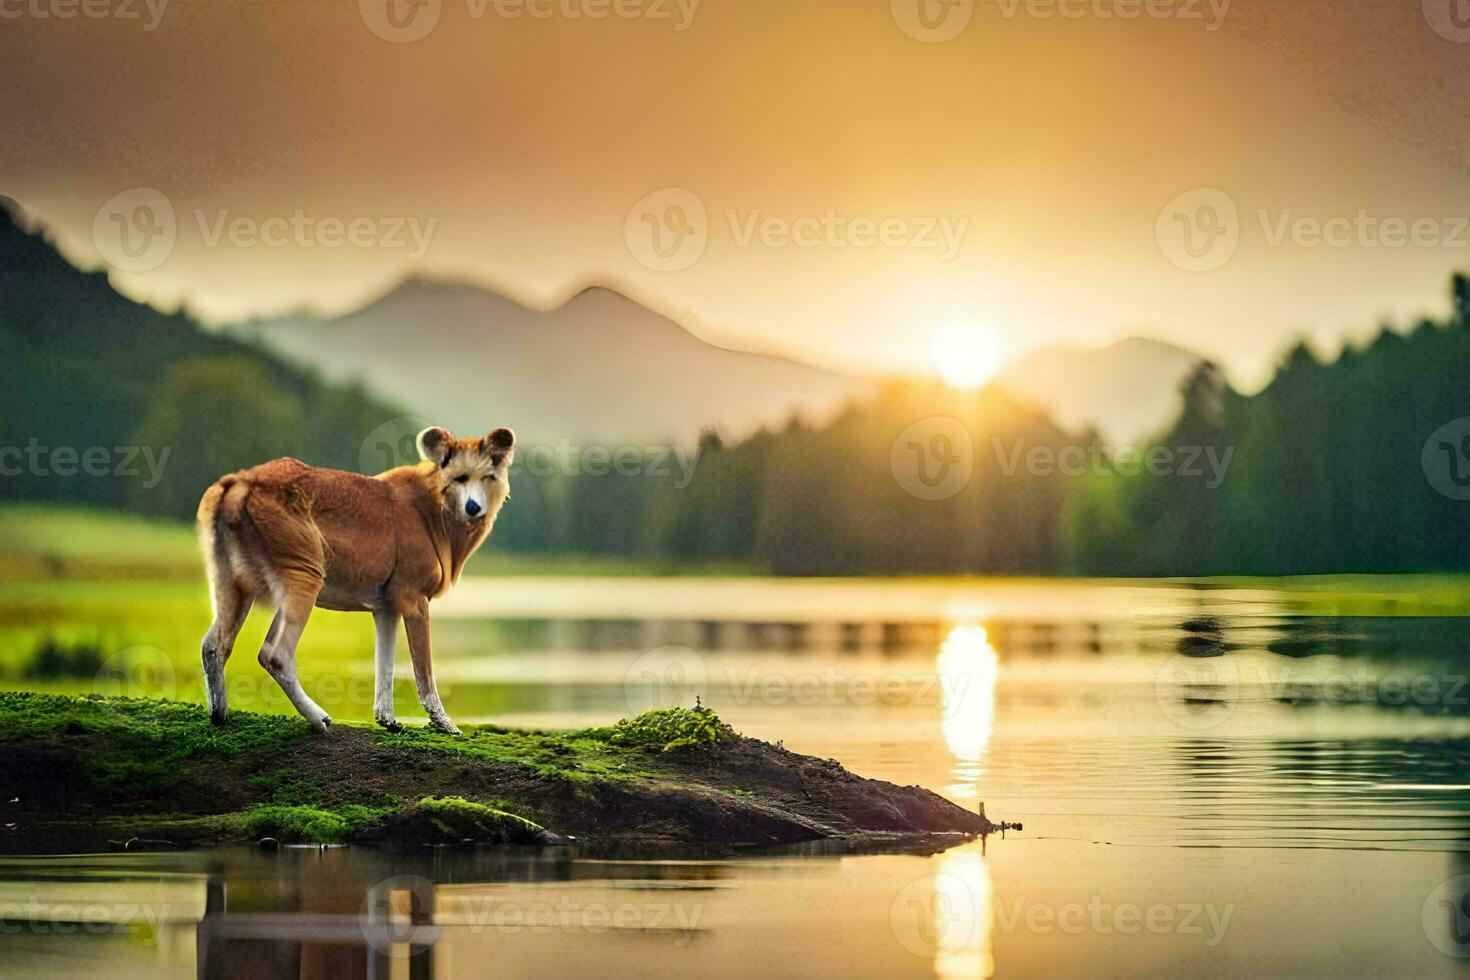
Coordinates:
<point>967,667</point>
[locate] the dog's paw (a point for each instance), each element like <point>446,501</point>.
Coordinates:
<point>389,723</point>
<point>323,725</point>
<point>445,725</point>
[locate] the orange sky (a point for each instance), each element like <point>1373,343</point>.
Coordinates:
<point>1049,145</point>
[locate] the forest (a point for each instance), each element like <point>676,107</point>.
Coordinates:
<point>1323,470</point>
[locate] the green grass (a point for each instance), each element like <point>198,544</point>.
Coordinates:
<point>148,740</point>
<point>44,541</point>
<point>151,753</point>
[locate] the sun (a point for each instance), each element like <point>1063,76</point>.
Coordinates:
<point>966,355</point>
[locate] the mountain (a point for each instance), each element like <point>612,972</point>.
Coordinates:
<point>120,404</point>
<point>599,369</point>
<point>1128,390</point>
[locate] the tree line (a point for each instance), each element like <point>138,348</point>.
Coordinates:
<point>1328,468</point>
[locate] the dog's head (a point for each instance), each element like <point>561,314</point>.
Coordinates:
<point>473,474</point>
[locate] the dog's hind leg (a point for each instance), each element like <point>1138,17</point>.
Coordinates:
<point>278,654</point>
<point>232,602</point>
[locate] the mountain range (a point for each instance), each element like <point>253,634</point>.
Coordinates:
<point>599,368</point>
<point>602,368</point>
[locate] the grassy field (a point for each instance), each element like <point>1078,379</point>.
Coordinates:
<point>101,602</point>
<point>98,602</point>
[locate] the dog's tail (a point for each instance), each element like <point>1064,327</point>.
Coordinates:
<point>221,510</point>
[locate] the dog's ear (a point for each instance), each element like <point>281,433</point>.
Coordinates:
<point>499,441</point>
<point>436,445</point>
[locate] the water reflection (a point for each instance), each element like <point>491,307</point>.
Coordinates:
<point>964,910</point>
<point>968,669</point>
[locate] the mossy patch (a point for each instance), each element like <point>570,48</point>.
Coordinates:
<point>666,729</point>
<point>147,741</point>
<point>76,773</point>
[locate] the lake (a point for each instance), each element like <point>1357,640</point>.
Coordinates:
<point>1212,780</point>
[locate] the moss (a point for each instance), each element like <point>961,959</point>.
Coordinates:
<point>459,817</point>
<point>571,757</point>
<point>666,729</point>
<point>148,741</point>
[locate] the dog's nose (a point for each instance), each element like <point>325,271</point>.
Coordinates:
<point>471,508</point>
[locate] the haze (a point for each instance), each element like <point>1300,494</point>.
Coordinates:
<point>527,142</point>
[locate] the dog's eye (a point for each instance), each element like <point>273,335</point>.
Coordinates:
<point>462,479</point>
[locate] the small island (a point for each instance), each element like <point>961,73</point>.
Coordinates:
<point>93,773</point>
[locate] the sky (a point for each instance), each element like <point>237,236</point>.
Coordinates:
<point>833,179</point>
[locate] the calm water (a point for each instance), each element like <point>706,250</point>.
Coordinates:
<point>1212,783</point>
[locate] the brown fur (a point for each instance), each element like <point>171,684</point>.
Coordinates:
<point>302,536</point>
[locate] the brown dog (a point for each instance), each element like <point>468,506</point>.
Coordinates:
<point>303,536</point>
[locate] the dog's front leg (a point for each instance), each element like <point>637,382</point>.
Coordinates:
<point>416,625</point>
<point>386,623</point>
